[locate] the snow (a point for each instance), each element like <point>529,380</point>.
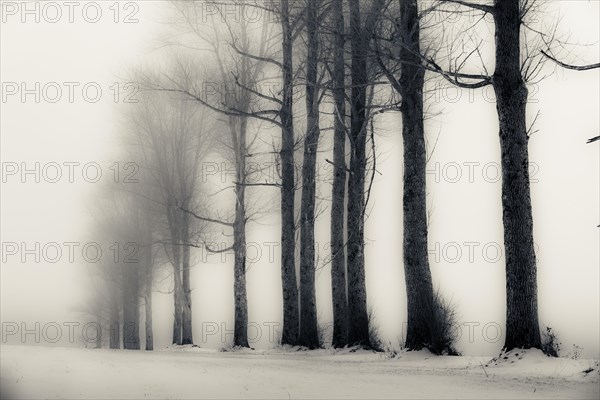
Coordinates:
<point>192,372</point>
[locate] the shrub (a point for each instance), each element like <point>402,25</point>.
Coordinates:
<point>550,343</point>
<point>443,326</point>
<point>374,339</point>
<point>392,351</point>
<point>324,335</point>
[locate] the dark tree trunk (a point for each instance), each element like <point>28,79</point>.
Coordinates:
<point>186,307</point>
<point>240,336</point>
<point>288,263</point>
<point>308,310</point>
<point>522,326</point>
<point>338,262</point>
<point>358,333</point>
<point>419,287</point>
<point>238,129</point>
<point>148,310</point>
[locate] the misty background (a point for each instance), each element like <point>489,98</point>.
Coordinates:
<point>464,197</point>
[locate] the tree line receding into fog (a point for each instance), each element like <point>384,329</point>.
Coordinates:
<point>274,89</point>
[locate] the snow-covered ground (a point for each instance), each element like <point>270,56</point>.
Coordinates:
<point>55,372</point>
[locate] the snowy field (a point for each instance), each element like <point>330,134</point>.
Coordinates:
<point>53,372</point>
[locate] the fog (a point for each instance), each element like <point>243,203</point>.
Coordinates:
<point>464,195</point>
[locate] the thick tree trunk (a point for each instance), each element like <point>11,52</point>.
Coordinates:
<point>240,336</point>
<point>308,311</point>
<point>522,326</point>
<point>288,264</point>
<point>241,307</point>
<point>338,262</point>
<point>419,287</point>
<point>358,333</point>
<point>186,323</point>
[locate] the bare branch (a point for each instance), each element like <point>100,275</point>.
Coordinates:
<point>569,66</point>
<point>594,139</point>
<point>225,250</point>
<point>277,185</point>
<point>331,162</point>
<point>452,77</point>
<point>206,219</point>
<point>256,92</point>
<point>257,58</point>
<point>480,7</point>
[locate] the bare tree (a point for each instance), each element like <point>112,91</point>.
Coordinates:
<point>103,298</point>
<point>362,28</point>
<point>522,326</point>
<point>291,321</point>
<point>308,310</point>
<point>281,114</point>
<point>513,68</point>
<point>125,226</point>
<point>148,265</point>
<point>106,301</point>
<point>131,307</point>
<point>408,79</point>
<point>170,135</point>
<point>338,195</point>
<point>239,65</point>
<point>134,257</point>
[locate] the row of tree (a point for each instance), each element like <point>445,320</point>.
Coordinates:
<point>350,61</point>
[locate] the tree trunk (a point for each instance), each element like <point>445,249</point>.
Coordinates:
<point>288,264</point>
<point>149,333</point>
<point>148,301</point>
<point>338,262</point>
<point>173,216</point>
<point>186,323</point>
<point>358,333</point>
<point>241,307</point>
<point>178,306</point>
<point>131,325</point>
<point>177,295</point>
<point>419,287</point>
<point>99,336</point>
<point>240,336</point>
<point>308,310</point>
<point>522,326</point>
<point>115,326</point>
